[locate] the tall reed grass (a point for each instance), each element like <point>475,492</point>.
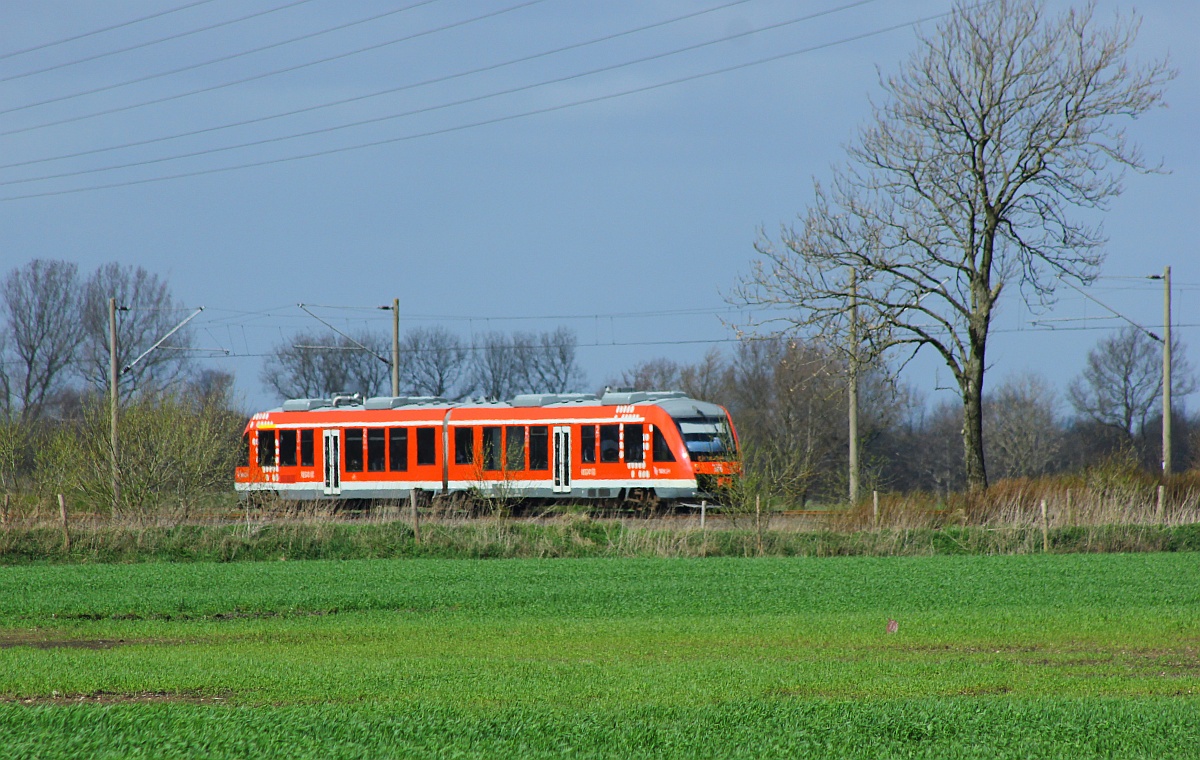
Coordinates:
<point>390,536</point>
<point>1106,509</point>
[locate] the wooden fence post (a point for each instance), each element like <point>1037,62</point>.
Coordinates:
<point>758,521</point>
<point>875,509</point>
<point>1045,530</point>
<point>62,509</point>
<point>1160,511</point>
<point>416,520</point>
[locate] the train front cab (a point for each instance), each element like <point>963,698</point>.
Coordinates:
<point>708,434</point>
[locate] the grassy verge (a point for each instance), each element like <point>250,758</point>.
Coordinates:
<point>571,537</point>
<point>994,656</point>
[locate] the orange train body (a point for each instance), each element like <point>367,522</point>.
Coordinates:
<point>624,445</point>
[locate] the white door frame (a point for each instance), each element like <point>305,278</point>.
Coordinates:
<point>333,461</point>
<point>562,459</point>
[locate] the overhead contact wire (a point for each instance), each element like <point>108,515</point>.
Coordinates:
<point>94,32</point>
<point>389,91</point>
<point>484,122</point>
<point>487,96</point>
<point>255,77</point>
<point>139,46</point>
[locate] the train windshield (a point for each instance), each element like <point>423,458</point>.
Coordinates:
<point>707,438</point>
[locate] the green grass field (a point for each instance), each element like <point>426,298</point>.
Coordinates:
<point>995,656</point>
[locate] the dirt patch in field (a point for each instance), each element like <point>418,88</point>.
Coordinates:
<point>1165,663</point>
<point>10,640</point>
<point>40,640</point>
<point>1183,662</point>
<point>118,698</point>
<point>968,649</point>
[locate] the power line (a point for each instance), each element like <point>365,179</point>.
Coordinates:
<point>94,32</point>
<point>430,109</point>
<point>692,311</point>
<point>485,122</point>
<point>1034,325</point>
<point>388,91</point>
<point>138,46</point>
<point>254,77</point>
<point>680,342</point>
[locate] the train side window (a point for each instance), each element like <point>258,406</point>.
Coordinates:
<point>306,448</point>
<point>539,448</point>
<point>514,448</point>
<point>376,451</point>
<point>246,449</point>
<point>662,451</point>
<point>610,443</point>
<point>266,448</point>
<point>353,446</point>
<point>287,448</point>
<point>634,447</point>
<point>426,446</point>
<point>491,448</point>
<point>587,444</point>
<point>398,449</point>
<point>464,445</point>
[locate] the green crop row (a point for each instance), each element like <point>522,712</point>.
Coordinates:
<point>958,728</point>
<point>600,587</point>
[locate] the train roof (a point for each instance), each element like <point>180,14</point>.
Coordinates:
<point>675,403</point>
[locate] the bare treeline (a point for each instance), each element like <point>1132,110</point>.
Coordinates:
<point>789,401</point>
<point>54,342</point>
<point>788,396</point>
<point>178,432</point>
<point>433,362</point>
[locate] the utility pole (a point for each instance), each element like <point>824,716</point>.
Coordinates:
<point>395,309</point>
<point>113,376</point>
<point>396,347</point>
<point>1166,388</point>
<point>853,378</point>
<point>114,396</point>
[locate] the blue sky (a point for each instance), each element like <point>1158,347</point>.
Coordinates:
<point>626,218</point>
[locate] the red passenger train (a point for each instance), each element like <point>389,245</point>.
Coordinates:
<point>623,446</point>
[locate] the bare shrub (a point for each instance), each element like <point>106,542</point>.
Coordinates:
<point>173,451</point>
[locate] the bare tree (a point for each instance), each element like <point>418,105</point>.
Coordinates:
<point>434,362</point>
<point>1121,385</point>
<point>496,366</point>
<point>40,307</point>
<point>549,362</point>
<point>1023,432</point>
<point>707,379</point>
<point>505,365</point>
<point>213,386</point>
<point>937,457</point>
<point>1000,125</point>
<point>148,312</point>
<point>788,401</point>
<point>317,365</point>
<point>659,374</point>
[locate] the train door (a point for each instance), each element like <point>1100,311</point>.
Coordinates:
<point>562,459</point>
<point>333,462</point>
